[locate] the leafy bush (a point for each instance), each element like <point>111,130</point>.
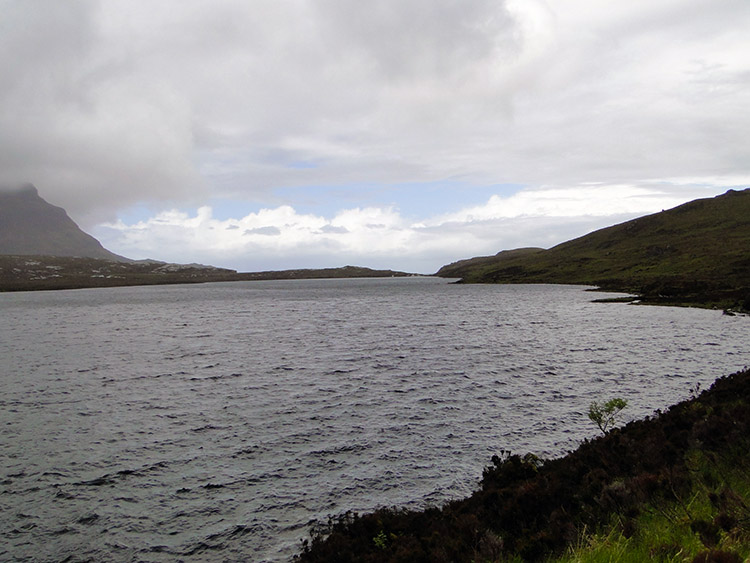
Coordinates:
<point>604,415</point>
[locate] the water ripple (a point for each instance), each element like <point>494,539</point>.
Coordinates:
<point>219,422</point>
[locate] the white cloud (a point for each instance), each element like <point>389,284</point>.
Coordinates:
<point>381,237</point>
<point>593,200</point>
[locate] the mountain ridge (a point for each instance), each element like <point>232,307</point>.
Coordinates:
<point>695,254</point>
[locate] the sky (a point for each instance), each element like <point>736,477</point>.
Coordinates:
<point>403,134</point>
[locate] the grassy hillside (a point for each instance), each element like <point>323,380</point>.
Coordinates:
<point>674,487</point>
<point>697,253</point>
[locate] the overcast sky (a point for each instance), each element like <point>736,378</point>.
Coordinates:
<point>268,134</point>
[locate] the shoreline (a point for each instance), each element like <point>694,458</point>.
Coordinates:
<point>530,509</point>
<point>52,273</point>
<point>717,303</point>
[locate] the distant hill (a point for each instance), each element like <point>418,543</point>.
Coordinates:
<point>322,273</point>
<point>27,273</point>
<point>697,253</point>
<point>31,226</point>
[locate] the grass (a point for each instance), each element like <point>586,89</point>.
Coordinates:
<point>713,516</point>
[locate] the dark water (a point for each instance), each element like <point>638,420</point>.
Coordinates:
<point>216,422</point>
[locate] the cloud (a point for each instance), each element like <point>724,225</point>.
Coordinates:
<point>266,231</point>
<point>108,105</point>
<point>592,200</point>
<point>330,229</point>
<point>381,237</point>
<point>80,124</point>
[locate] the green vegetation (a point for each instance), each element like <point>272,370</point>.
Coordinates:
<point>695,254</point>
<point>675,487</point>
<point>604,415</point>
<point>712,517</point>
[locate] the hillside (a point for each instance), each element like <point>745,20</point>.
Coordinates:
<point>675,487</point>
<point>31,226</point>
<point>697,253</point>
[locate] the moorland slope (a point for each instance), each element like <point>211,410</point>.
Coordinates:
<point>695,254</point>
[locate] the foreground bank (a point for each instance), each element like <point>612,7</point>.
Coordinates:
<point>673,487</point>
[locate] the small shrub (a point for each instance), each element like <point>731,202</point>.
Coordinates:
<point>381,541</point>
<point>604,415</point>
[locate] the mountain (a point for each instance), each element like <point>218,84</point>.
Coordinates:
<point>696,253</point>
<point>31,226</point>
